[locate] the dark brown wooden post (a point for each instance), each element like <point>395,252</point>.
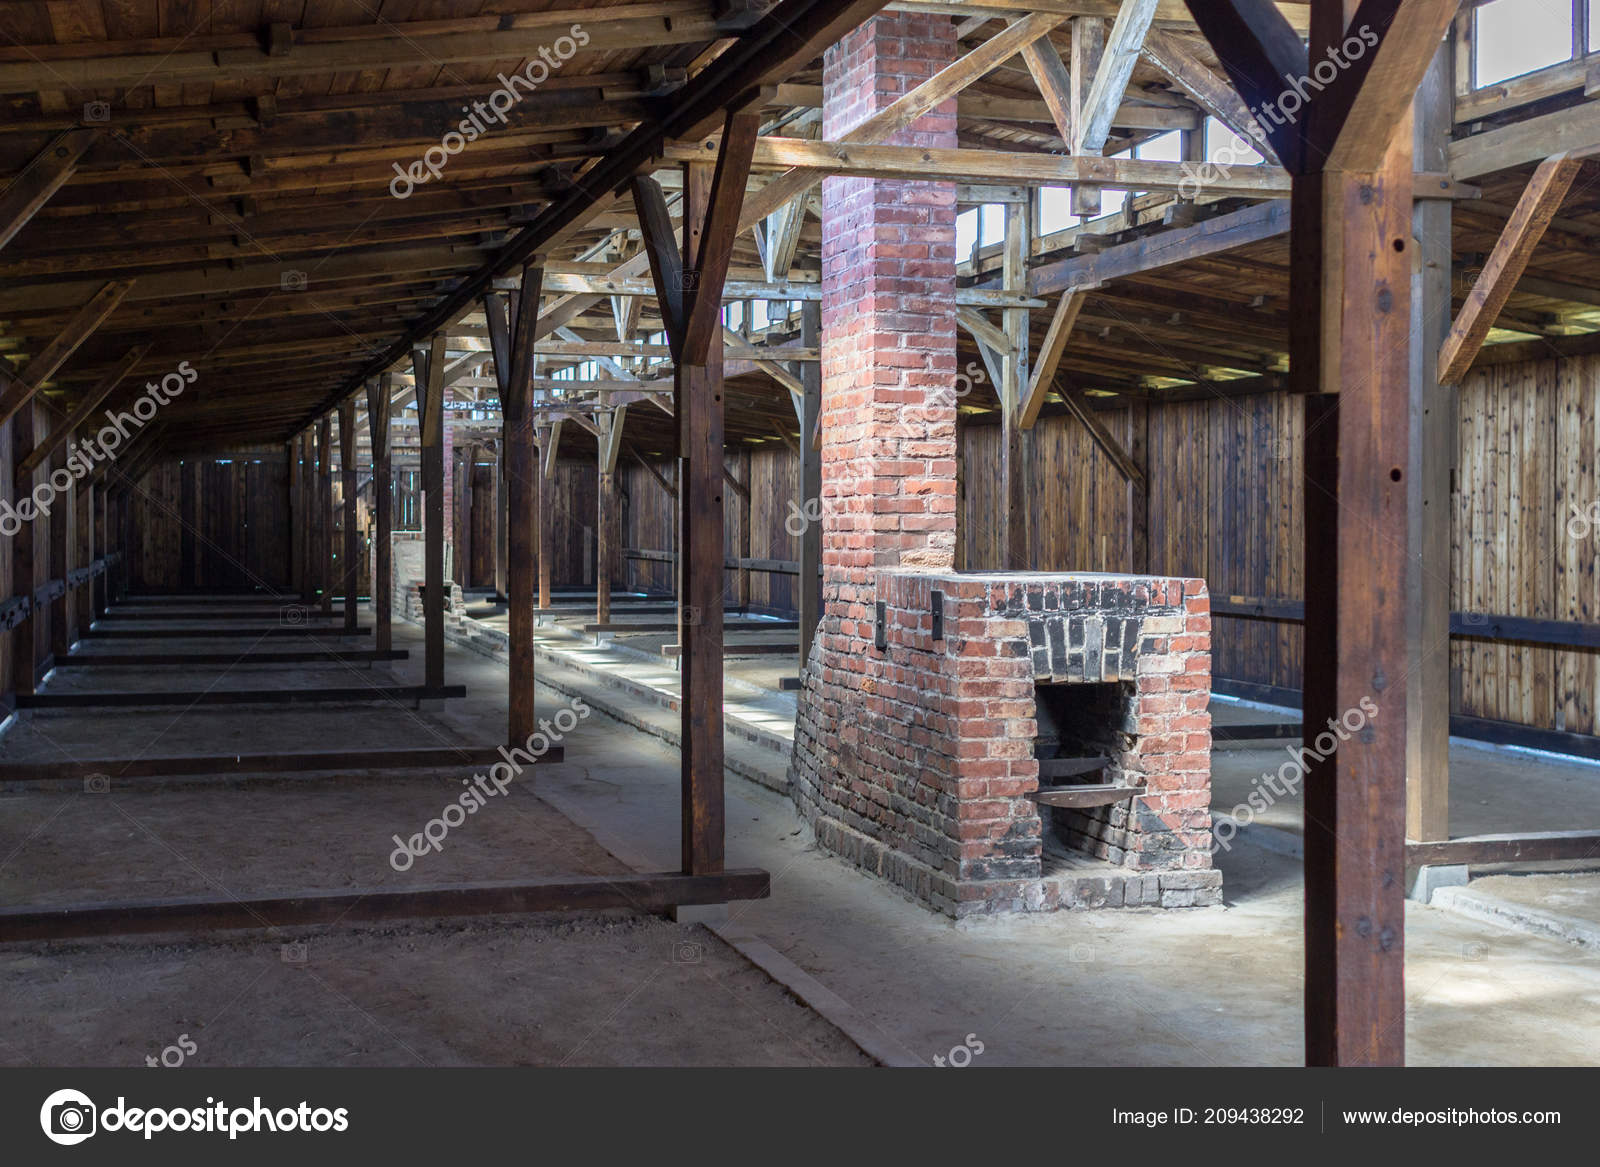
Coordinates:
<point>1350,251</point>
<point>24,658</point>
<point>188,476</point>
<point>689,290</point>
<point>86,550</point>
<point>701,551</point>
<point>379,393</point>
<point>347,480</point>
<point>1350,291</point>
<point>428,366</point>
<point>544,520</point>
<point>324,518</point>
<point>305,517</point>
<point>522,475</point>
<point>809,586</point>
<point>60,562</point>
<point>101,592</point>
<point>605,543</point>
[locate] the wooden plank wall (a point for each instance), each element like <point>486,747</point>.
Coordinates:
<point>771,473</point>
<point>1225,499</point>
<point>240,535</point>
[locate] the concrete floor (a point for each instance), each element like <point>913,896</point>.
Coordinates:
<point>1204,987</point>
<point>611,988</point>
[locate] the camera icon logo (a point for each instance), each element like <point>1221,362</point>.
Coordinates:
<point>687,952</point>
<point>688,280</point>
<point>292,617</point>
<point>68,1117</point>
<point>293,953</point>
<point>292,281</point>
<point>97,111</point>
<point>97,784</point>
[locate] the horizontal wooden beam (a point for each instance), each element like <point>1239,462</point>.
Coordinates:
<point>500,897</point>
<point>917,163</point>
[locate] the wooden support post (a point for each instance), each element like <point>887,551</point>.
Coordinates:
<point>1350,252</point>
<point>1138,493</point>
<point>324,519</point>
<point>1016,444</point>
<point>743,552</point>
<point>349,577</point>
<point>1433,440</point>
<point>608,446</point>
<point>188,473</point>
<point>305,516</point>
<point>296,563</point>
<point>809,601</point>
<point>1088,46</point>
<point>469,460</point>
<point>60,562</point>
<point>429,369</point>
<point>379,395</point>
<point>86,550</point>
<point>544,532</point>
<point>1350,290</point>
<point>24,659</point>
<point>522,480</point>
<point>502,531</point>
<point>698,409</point>
<point>102,530</point>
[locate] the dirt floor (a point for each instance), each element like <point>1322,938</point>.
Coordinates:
<point>614,988</point>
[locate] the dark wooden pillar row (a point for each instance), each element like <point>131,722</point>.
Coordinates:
<point>502,530</point>
<point>809,600</point>
<point>60,558</point>
<point>428,366</point>
<point>348,581</point>
<point>379,394</point>
<point>24,658</point>
<point>522,479</point>
<point>324,518</point>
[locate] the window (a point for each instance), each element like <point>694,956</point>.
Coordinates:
<point>1055,210</point>
<point>1221,142</point>
<point>1518,36</point>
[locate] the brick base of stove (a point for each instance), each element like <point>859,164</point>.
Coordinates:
<point>915,761</point>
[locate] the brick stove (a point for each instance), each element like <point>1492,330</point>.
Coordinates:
<point>1020,742</point>
<point>932,699</point>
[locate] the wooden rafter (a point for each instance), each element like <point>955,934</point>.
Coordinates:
<point>1113,74</point>
<point>1538,205</point>
<point>45,175</point>
<point>1258,49</point>
<point>21,389</point>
